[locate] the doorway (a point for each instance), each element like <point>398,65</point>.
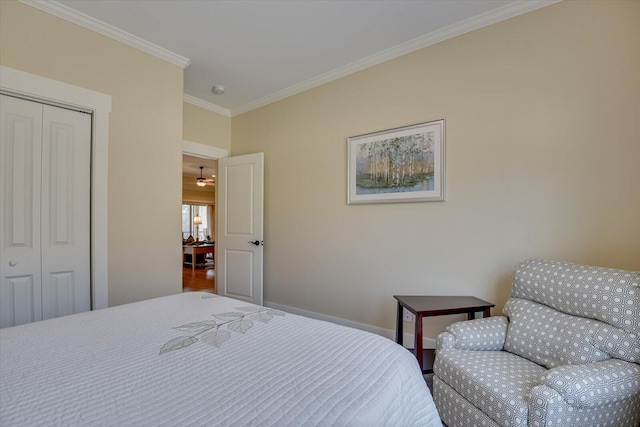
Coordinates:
<point>198,221</point>
<point>239,211</point>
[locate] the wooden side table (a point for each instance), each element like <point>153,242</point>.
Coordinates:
<point>427,305</point>
<point>194,251</point>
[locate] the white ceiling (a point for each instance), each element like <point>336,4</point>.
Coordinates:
<point>262,51</point>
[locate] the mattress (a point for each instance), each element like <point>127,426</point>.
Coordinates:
<point>200,359</point>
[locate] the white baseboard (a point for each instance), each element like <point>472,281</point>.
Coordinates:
<point>387,333</point>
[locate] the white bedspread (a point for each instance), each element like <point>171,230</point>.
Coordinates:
<point>199,359</point>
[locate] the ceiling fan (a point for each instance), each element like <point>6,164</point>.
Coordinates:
<point>201,181</point>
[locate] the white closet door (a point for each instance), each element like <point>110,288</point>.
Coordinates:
<point>66,162</point>
<point>20,262</point>
<point>45,205</point>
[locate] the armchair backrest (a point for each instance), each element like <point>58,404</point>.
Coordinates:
<point>562,313</point>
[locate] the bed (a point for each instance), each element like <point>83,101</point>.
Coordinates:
<point>201,359</point>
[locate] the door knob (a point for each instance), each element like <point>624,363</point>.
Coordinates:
<point>13,262</point>
<point>257,243</point>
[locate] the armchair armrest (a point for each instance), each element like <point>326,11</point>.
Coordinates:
<point>445,340</point>
<point>478,334</point>
<point>594,384</point>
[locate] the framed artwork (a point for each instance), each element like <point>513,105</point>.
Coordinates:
<point>399,165</point>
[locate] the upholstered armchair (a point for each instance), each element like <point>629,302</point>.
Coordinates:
<point>567,353</point>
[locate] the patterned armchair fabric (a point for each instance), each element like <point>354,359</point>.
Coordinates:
<point>566,354</point>
<point>594,384</point>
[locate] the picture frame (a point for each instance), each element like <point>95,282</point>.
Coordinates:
<point>400,165</point>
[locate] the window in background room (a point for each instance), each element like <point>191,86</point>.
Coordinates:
<point>186,222</point>
<point>189,228</point>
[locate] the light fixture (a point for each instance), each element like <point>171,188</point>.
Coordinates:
<point>201,182</point>
<point>218,90</point>
<point>197,221</point>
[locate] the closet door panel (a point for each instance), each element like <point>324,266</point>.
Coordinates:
<point>62,294</point>
<point>20,185</point>
<point>18,295</point>
<point>66,159</point>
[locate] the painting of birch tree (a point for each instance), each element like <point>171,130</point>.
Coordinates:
<point>405,164</point>
<point>399,164</point>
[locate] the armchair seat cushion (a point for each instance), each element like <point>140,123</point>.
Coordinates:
<point>496,382</point>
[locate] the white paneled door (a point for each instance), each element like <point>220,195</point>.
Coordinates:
<point>21,145</point>
<point>45,207</point>
<point>239,244</point>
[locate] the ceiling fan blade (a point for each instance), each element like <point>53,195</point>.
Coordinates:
<point>205,181</point>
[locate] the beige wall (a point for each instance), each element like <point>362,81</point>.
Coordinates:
<point>543,146</point>
<point>206,127</point>
<point>145,140</point>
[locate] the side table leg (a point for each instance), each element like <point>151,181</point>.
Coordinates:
<point>487,312</point>
<point>418,341</point>
<point>399,325</point>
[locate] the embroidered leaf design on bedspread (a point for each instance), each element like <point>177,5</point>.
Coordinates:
<point>209,296</point>
<point>210,330</point>
<point>216,337</point>
<point>197,327</point>
<point>241,326</point>
<point>177,344</point>
<point>229,316</point>
<point>250,308</point>
<point>263,317</point>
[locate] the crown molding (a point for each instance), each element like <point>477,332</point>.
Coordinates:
<point>206,105</point>
<point>486,19</point>
<point>454,30</point>
<point>105,29</point>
